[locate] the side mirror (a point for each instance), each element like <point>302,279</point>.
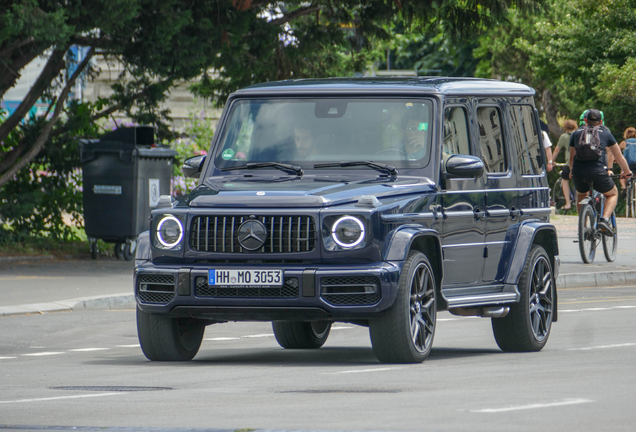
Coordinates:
<point>192,166</point>
<point>464,166</point>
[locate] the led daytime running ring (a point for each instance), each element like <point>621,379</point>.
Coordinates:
<point>335,228</point>
<point>160,224</point>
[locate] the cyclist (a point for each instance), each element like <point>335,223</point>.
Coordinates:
<point>585,171</point>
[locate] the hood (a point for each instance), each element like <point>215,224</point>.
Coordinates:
<point>308,191</point>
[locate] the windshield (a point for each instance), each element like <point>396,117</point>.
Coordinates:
<point>307,132</point>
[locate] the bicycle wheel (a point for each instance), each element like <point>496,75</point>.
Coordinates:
<point>587,234</point>
<point>558,197</point>
<point>631,200</point>
<point>610,244</point>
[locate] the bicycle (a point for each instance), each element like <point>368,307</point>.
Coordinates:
<point>558,198</point>
<point>589,235</point>
<point>630,208</point>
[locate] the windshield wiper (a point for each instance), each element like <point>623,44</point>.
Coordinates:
<point>377,166</point>
<point>281,166</point>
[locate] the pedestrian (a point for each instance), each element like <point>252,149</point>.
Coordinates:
<point>628,146</point>
<point>564,141</point>
<point>547,145</point>
<point>588,145</point>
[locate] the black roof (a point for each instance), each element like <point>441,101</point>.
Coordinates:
<point>388,85</point>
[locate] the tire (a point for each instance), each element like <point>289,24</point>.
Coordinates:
<point>119,250</point>
<point>610,244</point>
<point>301,335</point>
<point>558,197</point>
<point>587,234</point>
<point>527,326</point>
<point>405,332</point>
<point>93,247</point>
<point>164,338</point>
<point>631,200</point>
<point>128,250</point>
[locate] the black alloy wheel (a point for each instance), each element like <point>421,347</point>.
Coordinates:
<point>527,326</point>
<point>405,332</point>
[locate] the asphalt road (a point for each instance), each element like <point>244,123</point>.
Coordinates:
<point>85,369</point>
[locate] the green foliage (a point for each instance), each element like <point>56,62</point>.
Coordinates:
<point>194,140</point>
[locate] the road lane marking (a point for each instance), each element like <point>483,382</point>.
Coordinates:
<point>88,349</point>
<point>49,353</point>
<point>362,371</point>
<point>534,406</point>
<point>341,327</point>
<point>128,346</point>
<point>603,347</point>
<point>222,339</point>
<point>5,358</point>
<point>259,335</point>
<point>61,398</point>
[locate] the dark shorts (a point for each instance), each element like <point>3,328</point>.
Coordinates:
<point>583,175</point>
<point>565,174</point>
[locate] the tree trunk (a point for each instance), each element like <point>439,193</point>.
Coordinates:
<point>551,113</point>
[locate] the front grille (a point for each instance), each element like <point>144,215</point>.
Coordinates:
<point>156,288</point>
<point>289,290</point>
<point>285,234</point>
<point>350,290</point>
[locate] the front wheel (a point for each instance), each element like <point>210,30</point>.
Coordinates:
<point>610,244</point>
<point>587,234</point>
<point>404,333</point>
<point>301,335</point>
<point>558,197</point>
<point>527,326</point>
<point>164,338</point>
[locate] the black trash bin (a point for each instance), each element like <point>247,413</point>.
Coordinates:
<point>124,176</point>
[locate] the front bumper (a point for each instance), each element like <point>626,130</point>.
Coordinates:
<point>320,292</point>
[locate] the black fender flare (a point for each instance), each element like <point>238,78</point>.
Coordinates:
<point>413,236</point>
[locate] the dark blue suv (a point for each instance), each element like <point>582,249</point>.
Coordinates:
<point>376,202</point>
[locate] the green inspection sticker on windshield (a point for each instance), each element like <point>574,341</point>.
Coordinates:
<point>423,126</point>
<point>227,154</point>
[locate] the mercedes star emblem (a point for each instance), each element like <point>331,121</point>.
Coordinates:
<point>252,234</point>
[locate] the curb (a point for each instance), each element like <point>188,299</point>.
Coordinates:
<point>11,259</point>
<point>114,301</point>
<point>583,280</point>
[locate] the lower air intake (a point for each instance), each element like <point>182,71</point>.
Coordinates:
<point>350,290</point>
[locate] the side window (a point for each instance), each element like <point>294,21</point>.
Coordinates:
<point>456,136</point>
<point>491,139</point>
<point>527,143</point>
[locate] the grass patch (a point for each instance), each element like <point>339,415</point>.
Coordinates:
<point>59,249</point>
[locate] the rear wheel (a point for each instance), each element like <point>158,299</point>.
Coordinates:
<point>164,338</point>
<point>405,332</point>
<point>587,234</point>
<point>610,244</point>
<point>301,335</point>
<point>527,325</point>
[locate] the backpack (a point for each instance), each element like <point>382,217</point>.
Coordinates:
<point>588,147</point>
<point>630,151</point>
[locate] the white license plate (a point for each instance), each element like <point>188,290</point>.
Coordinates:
<point>245,278</point>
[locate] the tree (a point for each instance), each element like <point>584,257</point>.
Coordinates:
<point>228,44</point>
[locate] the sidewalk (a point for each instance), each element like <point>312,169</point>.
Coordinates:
<point>41,284</point>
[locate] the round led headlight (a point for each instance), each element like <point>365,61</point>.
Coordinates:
<point>169,231</point>
<point>348,232</point>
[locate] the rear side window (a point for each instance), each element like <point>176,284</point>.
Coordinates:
<point>491,140</point>
<point>526,140</point>
<point>456,134</point>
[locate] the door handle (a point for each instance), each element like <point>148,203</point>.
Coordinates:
<point>438,211</point>
<point>479,214</point>
<point>514,213</point>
